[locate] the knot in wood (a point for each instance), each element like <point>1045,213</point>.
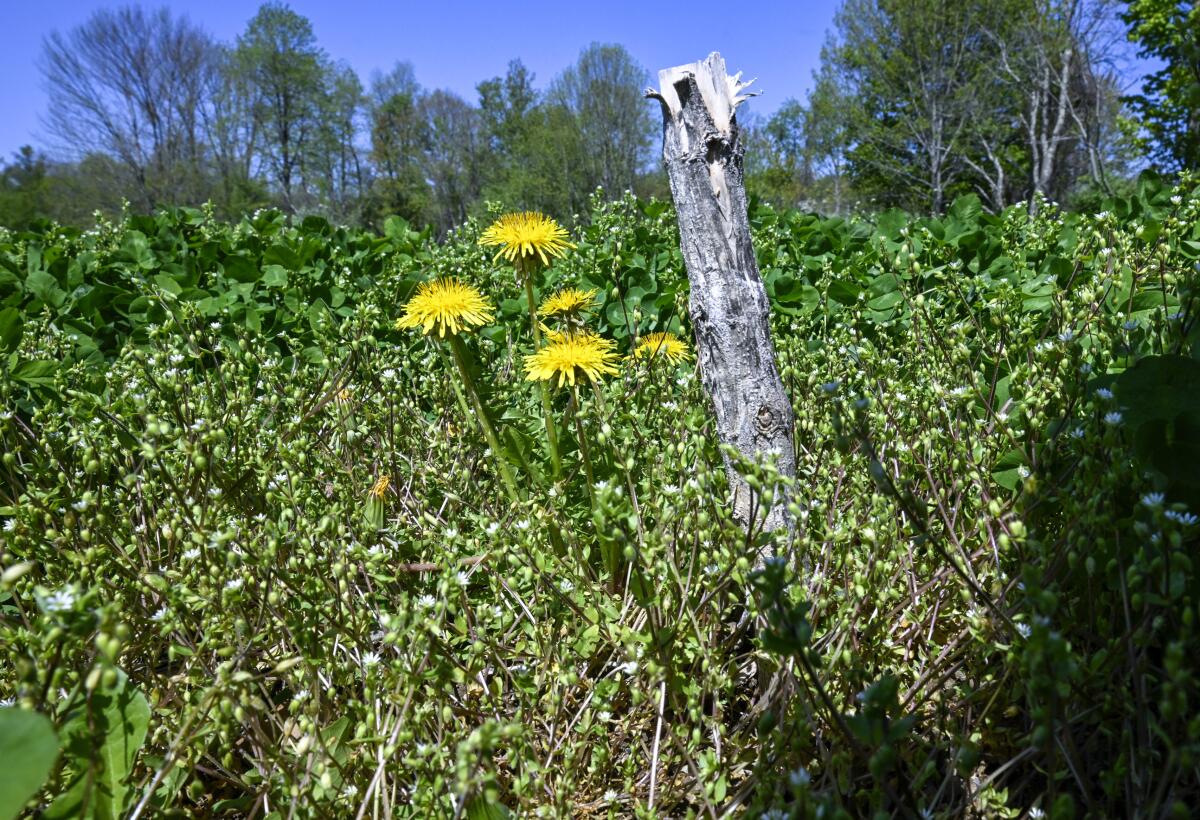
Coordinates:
<point>765,423</point>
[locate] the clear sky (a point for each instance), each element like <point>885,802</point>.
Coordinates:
<point>454,44</point>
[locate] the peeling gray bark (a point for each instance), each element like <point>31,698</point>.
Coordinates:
<point>728,303</point>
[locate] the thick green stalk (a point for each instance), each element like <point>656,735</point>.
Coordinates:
<point>547,411</point>
<point>460,359</point>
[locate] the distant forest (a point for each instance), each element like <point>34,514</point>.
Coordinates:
<point>915,103</point>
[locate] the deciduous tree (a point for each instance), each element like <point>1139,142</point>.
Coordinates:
<point>280,59</point>
<point>913,67</point>
<point>603,91</point>
<point>132,84</point>
<point>1169,105</point>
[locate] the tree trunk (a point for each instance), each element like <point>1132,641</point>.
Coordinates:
<point>728,303</point>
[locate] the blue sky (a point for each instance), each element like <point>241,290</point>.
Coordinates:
<point>454,45</point>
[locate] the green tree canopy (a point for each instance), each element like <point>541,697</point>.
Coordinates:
<point>1169,105</point>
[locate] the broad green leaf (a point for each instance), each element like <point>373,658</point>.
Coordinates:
<point>240,268</point>
<point>45,287</point>
<point>480,808</point>
<point>168,284</point>
<point>883,284</point>
<point>101,753</point>
<point>275,276</point>
<point>28,749</point>
<point>281,255</point>
<point>36,373</point>
<point>844,291</point>
<point>890,223</point>
<point>1160,387</point>
<point>11,328</point>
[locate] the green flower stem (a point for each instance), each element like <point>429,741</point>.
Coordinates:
<point>458,393</point>
<point>527,275</point>
<point>547,412</point>
<point>460,359</point>
<point>584,452</point>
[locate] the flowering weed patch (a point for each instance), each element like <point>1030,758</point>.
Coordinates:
<point>294,559</point>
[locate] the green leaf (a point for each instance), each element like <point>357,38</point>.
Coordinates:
<point>396,228</point>
<point>1159,387</point>
<point>886,301</point>
<point>28,749</point>
<point>480,808</point>
<point>620,317</point>
<point>281,255</point>
<point>844,291</point>
<point>45,287</point>
<point>101,753</point>
<point>36,373</point>
<point>138,250</point>
<point>240,268</point>
<point>275,276</point>
<point>11,329</point>
<point>168,284</point>
<point>1160,398</point>
<point>882,285</point>
<point>890,223</point>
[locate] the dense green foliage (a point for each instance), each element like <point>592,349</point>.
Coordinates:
<point>988,605</point>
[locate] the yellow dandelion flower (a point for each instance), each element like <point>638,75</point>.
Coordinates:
<point>521,235</point>
<point>380,486</point>
<point>667,345</point>
<point>445,304</point>
<point>567,302</point>
<point>568,355</point>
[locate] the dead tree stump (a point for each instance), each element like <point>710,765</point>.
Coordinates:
<point>728,303</point>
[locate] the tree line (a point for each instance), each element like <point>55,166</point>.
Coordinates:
<point>919,101</point>
<point>146,107</point>
<point>914,103</point>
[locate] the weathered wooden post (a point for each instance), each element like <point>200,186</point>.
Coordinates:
<point>728,303</point>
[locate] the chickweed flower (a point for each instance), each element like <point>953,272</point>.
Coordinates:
<point>445,305</point>
<point>59,601</point>
<point>1187,519</point>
